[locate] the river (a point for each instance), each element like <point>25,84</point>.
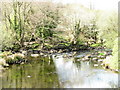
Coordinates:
<point>57,71</point>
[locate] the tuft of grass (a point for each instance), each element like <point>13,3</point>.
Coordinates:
<point>14,58</point>
<point>101,54</point>
<point>95,45</point>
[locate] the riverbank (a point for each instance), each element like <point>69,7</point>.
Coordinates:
<point>59,71</point>
<point>97,54</point>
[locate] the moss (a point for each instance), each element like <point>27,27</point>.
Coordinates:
<point>95,45</point>
<point>14,58</point>
<point>101,54</point>
<point>5,54</point>
<point>34,45</point>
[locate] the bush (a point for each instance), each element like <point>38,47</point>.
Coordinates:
<point>107,24</point>
<point>113,60</point>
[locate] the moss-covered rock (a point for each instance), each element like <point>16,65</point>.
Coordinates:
<point>15,58</point>
<point>3,62</point>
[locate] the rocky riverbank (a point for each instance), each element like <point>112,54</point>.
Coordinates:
<point>101,56</point>
<point>98,54</point>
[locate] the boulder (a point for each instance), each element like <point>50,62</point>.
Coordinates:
<point>100,60</point>
<point>35,55</point>
<point>95,65</point>
<point>95,59</point>
<point>3,62</point>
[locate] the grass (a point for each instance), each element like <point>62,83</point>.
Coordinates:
<point>95,45</point>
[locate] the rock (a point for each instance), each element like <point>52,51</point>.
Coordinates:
<point>3,63</point>
<point>109,53</point>
<point>102,64</point>
<point>35,55</point>
<point>45,55</point>
<point>51,51</point>
<point>74,53</point>
<point>29,52</point>
<point>64,56</point>
<point>116,70</point>
<point>23,52</point>
<point>85,59</point>
<point>107,67</point>
<point>102,57</point>
<point>19,55</point>
<point>108,50</point>
<point>60,51</point>
<point>107,60</point>
<point>100,60</point>
<point>10,57</point>
<point>94,59</point>
<point>36,51</point>
<point>99,56</point>
<point>22,63</point>
<point>78,59</point>
<point>89,56</point>
<point>96,53</point>
<point>105,53</point>
<point>95,65</point>
<point>28,76</point>
<point>41,54</point>
<point>94,56</point>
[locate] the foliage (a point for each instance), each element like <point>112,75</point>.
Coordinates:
<point>96,45</point>
<point>16,23</point>
<point>108,29</point>
<point>45,20</point>
<point>115,60</point>
<point>49,25</point>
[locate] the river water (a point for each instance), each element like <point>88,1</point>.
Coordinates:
<point>57,71</point>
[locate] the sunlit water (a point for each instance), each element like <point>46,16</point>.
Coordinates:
<point>84,75</point>
<point>58,72</point>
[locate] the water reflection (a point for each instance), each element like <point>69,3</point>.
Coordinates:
<point>83,74</point>
<point>58,72</point>
<point>37,74</point>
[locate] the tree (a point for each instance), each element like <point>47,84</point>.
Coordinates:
<point>16,19</point>
<point>45,20</point>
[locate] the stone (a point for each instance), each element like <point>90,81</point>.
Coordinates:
<point>22,63</point>
<point>35,55</point>
<point>100,60</point>
<point>102,57</point>
<point>3,63</point>
<point>109,53</point>
<point>41,54</point>
<point>18,55</point>
<point>24,52</point>
<point>95,65</point>
<point>95,59</point>
<point>28,76</point>
<point>89,56</point>
<point>78,59</point>
<point>102,64</point>
<point>85,59</point>
<point>60,51</point>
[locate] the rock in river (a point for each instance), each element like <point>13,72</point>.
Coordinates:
<point>95,65</point>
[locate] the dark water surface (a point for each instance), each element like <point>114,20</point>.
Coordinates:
<point>58,72</point>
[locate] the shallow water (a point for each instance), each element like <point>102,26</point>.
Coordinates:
<point>83,74</point>
<point>58,72</point>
